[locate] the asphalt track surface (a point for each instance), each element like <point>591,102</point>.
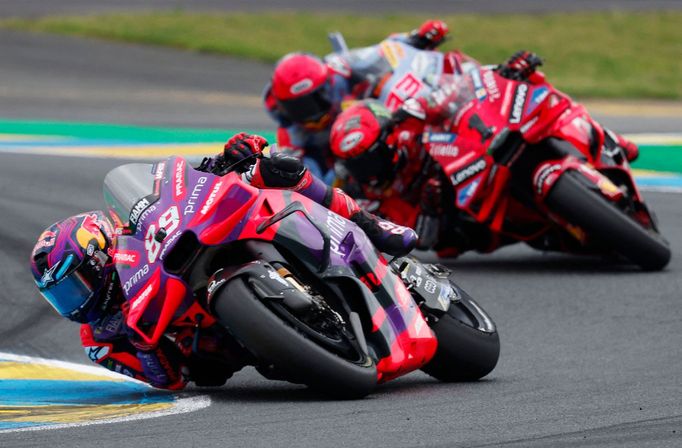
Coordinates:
<point>591,350</point>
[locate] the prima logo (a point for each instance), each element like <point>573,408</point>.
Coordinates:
<point>135,278</point>
<point>191,202</point>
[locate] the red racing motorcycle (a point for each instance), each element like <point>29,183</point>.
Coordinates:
<point>300,288</point>
<point>527,163</point>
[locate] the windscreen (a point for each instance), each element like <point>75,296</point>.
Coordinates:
<point>125,185</point>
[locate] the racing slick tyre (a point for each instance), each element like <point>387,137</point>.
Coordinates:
<point>468,343</point>
<point>288,347</point>
<point>574,201</point>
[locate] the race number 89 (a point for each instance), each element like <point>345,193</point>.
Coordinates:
<point>168,221</point>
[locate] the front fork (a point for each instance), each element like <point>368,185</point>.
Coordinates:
<point>437,295</point>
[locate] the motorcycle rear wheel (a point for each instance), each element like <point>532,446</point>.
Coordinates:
<point>286,349</point>
<point>575,202</point>
<point>466,352</point>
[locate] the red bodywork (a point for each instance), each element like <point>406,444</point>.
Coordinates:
<point>229,210</point>
<point>473,150</point>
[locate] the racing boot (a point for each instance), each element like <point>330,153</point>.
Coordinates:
<point>629,148</point>
<point>386,236</point>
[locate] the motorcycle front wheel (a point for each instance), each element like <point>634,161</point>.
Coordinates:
<point>468,343</point>
<point>288,345</point>
<point>574,201</point>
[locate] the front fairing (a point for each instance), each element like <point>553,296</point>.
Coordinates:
<point>214,211</point>
<point>156,207</point>
<point>339,251</point>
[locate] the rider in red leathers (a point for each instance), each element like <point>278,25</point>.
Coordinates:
<point>73,267</point>
<point>387,164</point>
<point>306,93</point>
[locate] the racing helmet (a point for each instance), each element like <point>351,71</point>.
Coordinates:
<point>361,139</point>
<point>71,265</point>
<point>300,86</point>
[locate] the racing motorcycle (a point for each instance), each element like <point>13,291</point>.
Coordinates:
<point>300,288</point>
<point>527,163</point>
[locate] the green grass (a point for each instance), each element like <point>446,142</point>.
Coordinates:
<point>612,54</point>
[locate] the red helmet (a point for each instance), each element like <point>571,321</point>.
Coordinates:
<point>301,88</point>
<point>359,137</point>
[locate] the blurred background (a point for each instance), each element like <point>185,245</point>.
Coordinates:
<point>590,352</point>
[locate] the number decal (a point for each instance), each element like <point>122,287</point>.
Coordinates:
<point>169,221</point>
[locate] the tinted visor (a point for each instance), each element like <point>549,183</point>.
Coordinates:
<point>74,289</point>
<point>375,166</point>
<point>308,108</point>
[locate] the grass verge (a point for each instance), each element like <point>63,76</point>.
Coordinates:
<point>609,54</point>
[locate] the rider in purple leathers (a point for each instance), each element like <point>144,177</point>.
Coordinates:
<point>73,266</point>
<point>306,93</point>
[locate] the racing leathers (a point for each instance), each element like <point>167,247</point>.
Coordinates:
<point>354,75</point>
<point>210,356</point>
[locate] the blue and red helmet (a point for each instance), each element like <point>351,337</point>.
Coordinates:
<point>71,264</point>
<point>301,88</point>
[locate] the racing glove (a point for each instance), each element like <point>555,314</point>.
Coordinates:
<point>520,66</point>
<point>243,147</point>
<point>429,35</point>
<point>240,148</point>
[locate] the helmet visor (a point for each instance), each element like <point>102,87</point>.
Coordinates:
<point>69,294</point>
<point>75,286</point>
<point>307,108</point>
<point>374,167</point>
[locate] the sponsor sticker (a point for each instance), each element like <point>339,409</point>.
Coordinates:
<point>179,181</point>
<point>137,210</point>
<point>351,140</point>
<point>517,103</point>
<point>126,257</point>
<point>469,171</point>
<point>441,137</point>
<point>301,86</point>
<point>467,192</point>
<point>536,98</point>
<point>543,176</point>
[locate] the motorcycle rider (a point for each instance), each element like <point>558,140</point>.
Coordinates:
<point>306,93</point>
<point>386,160</point>
<point>72,264</point>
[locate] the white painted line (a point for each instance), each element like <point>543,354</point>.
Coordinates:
<point>182,405</point>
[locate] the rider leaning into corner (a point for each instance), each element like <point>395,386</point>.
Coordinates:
<point>306,93</point>
<point>388,165</point>
<point>74,271</point>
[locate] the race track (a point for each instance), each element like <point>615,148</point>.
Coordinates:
<point>591,351</point>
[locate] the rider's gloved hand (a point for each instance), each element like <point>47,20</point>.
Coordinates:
<point>242,147</point>
<point>429,35</point>
<point>520,66</point>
